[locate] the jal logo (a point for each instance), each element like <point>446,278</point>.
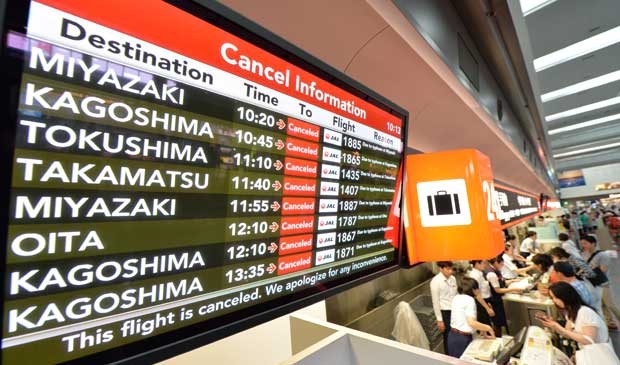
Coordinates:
<point>332,137</point>
<point>325,257</point>
<point>329,188</point>
<point>327,222</point>
<point>330,171</point>
<point>328,206</point>
<point>325,239</point>
<point>331,154</point>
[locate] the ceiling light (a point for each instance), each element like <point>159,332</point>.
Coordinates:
<point>583,109</point>
<point>581,86</point>
<point>578,49</point>
<point>530,6</point>
<point>584,150</point>
<point>589,123</point>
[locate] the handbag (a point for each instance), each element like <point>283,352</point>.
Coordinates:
<point>601,277</point>
<point>596,353</point>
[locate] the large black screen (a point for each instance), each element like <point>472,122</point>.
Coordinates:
<point>174,181</point>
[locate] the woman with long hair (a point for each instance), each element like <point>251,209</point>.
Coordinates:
<point>582,322</point>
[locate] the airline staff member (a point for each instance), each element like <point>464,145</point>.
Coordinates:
<point>510,269</point>
<point>519,260</point>
<point>463,320</point>
<point>498,289</point>
<point>529,245</point>
<point>443,290</point>
<point>484,309</point>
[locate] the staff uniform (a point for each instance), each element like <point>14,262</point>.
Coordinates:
<point>527,245</point>
<point>485,293</point>
<point>497,281</point>
<point>443,290</point>
<point>460,336</point>
<point>509,271</point>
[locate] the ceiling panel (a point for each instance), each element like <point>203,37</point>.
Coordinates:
<point>596,64</point>
<point>353,37</point>
<point>594,159</point>
<point>589,144</point>
<point>565,22</point>
<point>585,135</point>
<point>586,97</point>
<point>556,26</point>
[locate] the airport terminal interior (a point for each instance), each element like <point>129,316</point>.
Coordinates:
<point>310,182</point>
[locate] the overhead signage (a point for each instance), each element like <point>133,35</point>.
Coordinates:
<point>173,179</point>
<point>572,178</point>
<point>516,206</point>
<point>451,206</point>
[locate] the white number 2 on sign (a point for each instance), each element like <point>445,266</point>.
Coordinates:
<point>493,207</point>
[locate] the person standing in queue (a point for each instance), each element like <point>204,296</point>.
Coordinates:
<point>443,290</point>
<point>484,309</point>
<point>599,261</point>
<point>463,318</point>
<point>583,324</point>
<point>576,229</point>
<point>581,267</point>
<point>568,245</point>
<point>566,273</point>
<point>499,287</point>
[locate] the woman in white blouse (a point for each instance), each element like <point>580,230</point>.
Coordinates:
<point>583,324</point>
<point>463,319</point>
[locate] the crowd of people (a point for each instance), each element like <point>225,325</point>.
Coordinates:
<point>572,275</point>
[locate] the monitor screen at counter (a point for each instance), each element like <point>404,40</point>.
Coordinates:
<point>167,183</point>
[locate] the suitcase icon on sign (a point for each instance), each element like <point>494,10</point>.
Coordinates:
<point>443,203</point>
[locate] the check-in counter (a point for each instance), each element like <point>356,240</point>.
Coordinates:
<point>535,348</point>
<point>521,309</point>
<point>545,245</point>
<point>547,236</point>
<point>482,351</point>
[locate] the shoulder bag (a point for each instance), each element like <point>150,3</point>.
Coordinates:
<point>596,353</point>
<point>601,277</point>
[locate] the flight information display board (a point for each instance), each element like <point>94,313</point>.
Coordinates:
<point>170,178</point>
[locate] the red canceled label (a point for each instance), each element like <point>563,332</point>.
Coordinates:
<point>298,186</point>
<point>294,263</point>
<point>298,205</point>
<point>295,225</point>
<point>300,129</point>
<point>300,148</point>
<point>297,167</point>
<point>295,244</point>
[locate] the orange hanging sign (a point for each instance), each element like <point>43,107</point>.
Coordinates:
<point>451,207</point>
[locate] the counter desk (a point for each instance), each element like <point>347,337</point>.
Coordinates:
<point>533,346</point>
<point>545,245</point>
<point>521,309</point>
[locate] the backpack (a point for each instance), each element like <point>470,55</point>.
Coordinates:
<point>601,277</point>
